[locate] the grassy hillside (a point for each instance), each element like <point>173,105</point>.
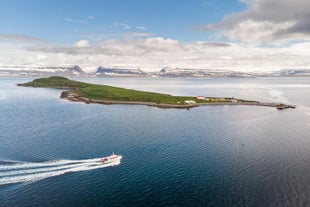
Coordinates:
<point>103,92</point>
<point>55,82</point>
<point>94,93</point>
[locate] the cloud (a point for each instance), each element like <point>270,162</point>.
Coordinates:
<point>201,46</point>
<point>139,47</point>
<point>139,34</point>
<point>80,21</point>
<point>21,38</point>
<point>267,21</point>
<point>115,47</point>
<point>82,43</point>
<point>41,57</point>
<point>74,20</point>
<point>99,37</point>
<point>91,17</point>
<point>73,50</point>
<point>214,44</point>
<point>161,44</point>
<point>127,26</point>
<point>157,52</point>
<point>140,27</point>
<point>123,25</point>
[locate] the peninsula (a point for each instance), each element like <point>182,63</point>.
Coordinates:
<point>103,94</point>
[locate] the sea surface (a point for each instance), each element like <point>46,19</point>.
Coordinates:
<point>205,156</point>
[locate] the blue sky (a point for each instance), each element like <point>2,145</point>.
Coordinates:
<point>150,34</point>
<point>70,20</point>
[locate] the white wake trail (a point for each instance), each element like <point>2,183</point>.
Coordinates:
<point>45,164</point>
<point>38,170</point>
<point>26,172</point>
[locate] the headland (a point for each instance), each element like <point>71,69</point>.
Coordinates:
<point>77,91</point>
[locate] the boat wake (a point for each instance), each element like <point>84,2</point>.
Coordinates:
<point>28,171</point>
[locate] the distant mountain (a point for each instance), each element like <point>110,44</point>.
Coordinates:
<point>101,71</point>
<point>41,71</point>
<point>187,72</point>
<point>75,70</point>
<point>287,72</point>
<point>183,72</point>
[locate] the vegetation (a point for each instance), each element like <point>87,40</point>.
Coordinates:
<point>104,92</point>
<point>56,82</point>
<point>110,93</point>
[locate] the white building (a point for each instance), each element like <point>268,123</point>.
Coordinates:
<point>189,102</point>
<point>200,97</point>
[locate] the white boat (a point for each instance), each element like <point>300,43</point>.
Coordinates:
<point>111,159</point>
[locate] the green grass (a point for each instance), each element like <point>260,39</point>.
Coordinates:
<point>104,92</point>
<point>55,82</point>
<point>101,92</point>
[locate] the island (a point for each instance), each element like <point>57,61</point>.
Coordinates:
<point>77,91</point>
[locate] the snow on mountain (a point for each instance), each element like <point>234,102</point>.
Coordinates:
<point>21,70</point>
<point>74,70</point>
<point>101,71</point>
<point>188,72</point>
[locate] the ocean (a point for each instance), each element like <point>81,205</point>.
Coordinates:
<point>205,156</point>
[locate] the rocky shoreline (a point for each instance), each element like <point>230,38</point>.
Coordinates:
<point>77,98</point>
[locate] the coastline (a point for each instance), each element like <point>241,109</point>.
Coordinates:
<point>76,91</point>
<point>77,98</point>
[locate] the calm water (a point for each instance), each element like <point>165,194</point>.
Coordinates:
<point>206,156</point>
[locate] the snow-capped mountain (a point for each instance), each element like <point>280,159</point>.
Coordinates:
<point>20,70</point>
<point>289,72</point>
<point>101,71</point>
<point>42,71</point>
<point>187,72</point>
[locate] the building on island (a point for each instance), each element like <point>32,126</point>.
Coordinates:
<point>189,102</point>
<point>200,97</point>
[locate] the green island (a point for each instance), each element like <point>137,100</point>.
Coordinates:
<point>103,94</point>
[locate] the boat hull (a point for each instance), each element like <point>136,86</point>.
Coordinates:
<point>113,159</point>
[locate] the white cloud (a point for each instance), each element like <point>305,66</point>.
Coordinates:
<point>157,52</point>
<point>161,44</point>
<point>127,26</point>
<point>41,57</point>
<point>250,31</point>
<point>21,38</point>
<point>82,43</point>
<point>123,25</point>
<point>140,27</point>
<point>267,21</point>
<point>91,17</point>
<point>154,52</point>
<point>139,34</point>
<point>74,20</point>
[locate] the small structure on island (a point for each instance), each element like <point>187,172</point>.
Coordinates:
<point>200,97</point>
<point>189,102</point>
<point>234,100</point>
<point>73,92</point>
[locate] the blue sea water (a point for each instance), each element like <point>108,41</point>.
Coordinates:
<point>205,156</point>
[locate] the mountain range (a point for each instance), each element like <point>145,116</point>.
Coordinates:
<point>76,71</point>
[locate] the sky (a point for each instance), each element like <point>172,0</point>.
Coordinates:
<point>240,35</point>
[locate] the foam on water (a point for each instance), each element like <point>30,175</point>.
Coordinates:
<point>45,164</point>
<point>25,172</point>
<point>306,110</point>
<point>277,95</point>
